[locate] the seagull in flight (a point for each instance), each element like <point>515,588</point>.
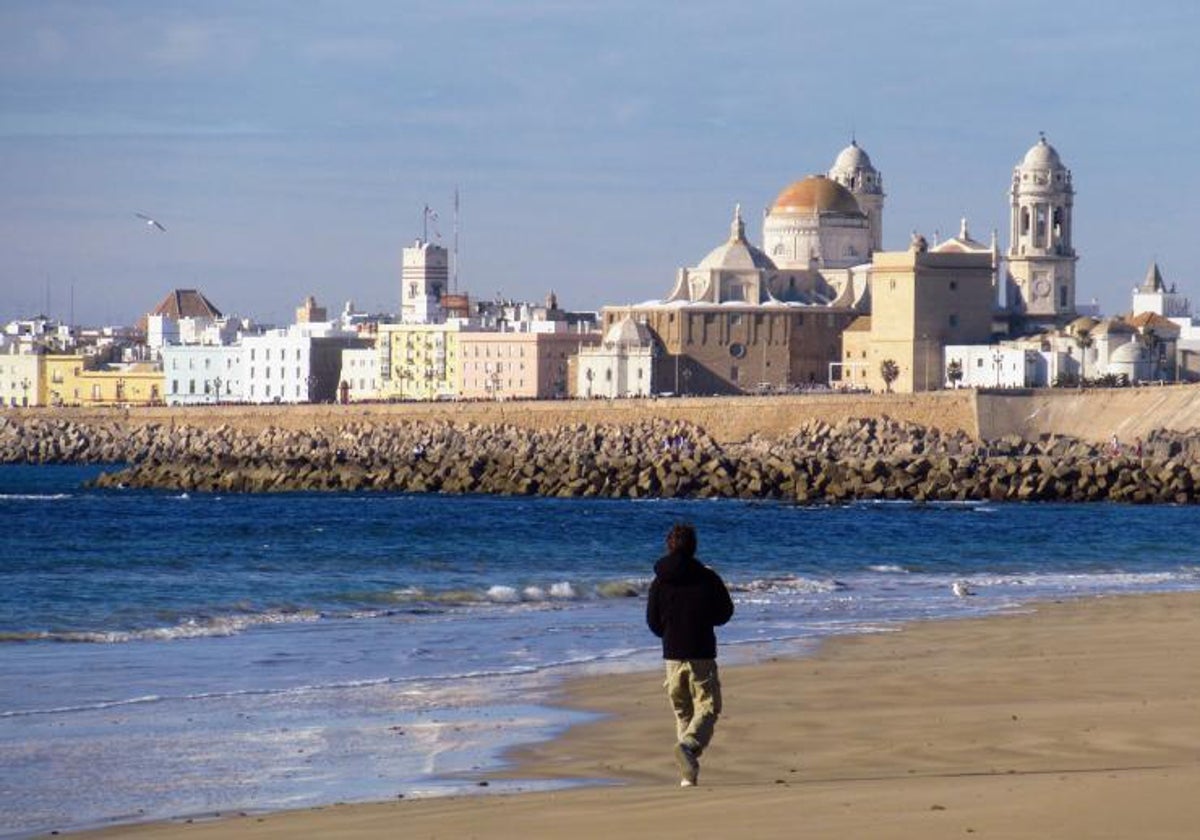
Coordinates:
<point>151,222</point>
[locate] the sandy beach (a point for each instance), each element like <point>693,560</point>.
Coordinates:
<point>1074,719</point>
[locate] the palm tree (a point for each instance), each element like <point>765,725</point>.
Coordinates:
<point>954,372</point>
<point>1083,340</point>
<point>1153,344</point>
<point>890,371</point>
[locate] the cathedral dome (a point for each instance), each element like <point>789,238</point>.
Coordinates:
<point>1042,156</point>
<point>815,194</point>
<point>852,158</point>
<point>737,253</point>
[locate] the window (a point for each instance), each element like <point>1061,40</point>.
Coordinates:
<point>953,285</point>
<point>953,319</point>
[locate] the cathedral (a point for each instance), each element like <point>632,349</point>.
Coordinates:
<point>749,318</point>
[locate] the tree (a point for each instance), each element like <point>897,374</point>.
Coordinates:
<point>890,371</point>
<point>1083,340</point>
<point>1153,344</point>
<point>954,372</point>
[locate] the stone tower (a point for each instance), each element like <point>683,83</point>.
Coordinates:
<point>424,273</point>
<point>853,170</point>
<point>1041,256</point>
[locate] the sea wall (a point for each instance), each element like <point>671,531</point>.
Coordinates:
<point>1088,414</point>
<point>813,462</point>
<point>724,418</point>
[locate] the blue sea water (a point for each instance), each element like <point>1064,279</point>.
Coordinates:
<point>165,654</point>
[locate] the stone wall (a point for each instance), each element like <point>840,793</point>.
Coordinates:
<point>1089,415</point>
<point>726,419</point>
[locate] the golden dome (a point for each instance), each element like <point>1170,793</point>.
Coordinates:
<point>816,193</point>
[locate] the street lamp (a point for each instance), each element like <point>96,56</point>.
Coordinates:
<point>24,391</point>
<point>998,359</point>
<point>216,389</point>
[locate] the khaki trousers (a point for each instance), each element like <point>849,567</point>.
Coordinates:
<point>694,689</point>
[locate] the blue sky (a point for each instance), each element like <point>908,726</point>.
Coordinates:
<point>289,147</point>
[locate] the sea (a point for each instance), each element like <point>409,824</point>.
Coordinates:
<point>169,655</point>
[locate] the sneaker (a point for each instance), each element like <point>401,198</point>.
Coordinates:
<point>688,765</point>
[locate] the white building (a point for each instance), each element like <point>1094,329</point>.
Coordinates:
<point>621,365</point>
<point>996,366</point>
<point>200,374</point>
<point>301,363</point>
<point>359,377</point>
<point>20,377</point>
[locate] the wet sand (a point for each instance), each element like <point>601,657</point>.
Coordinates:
<point>1076,719</point>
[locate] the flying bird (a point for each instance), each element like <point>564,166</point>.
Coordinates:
<point>151,222</point>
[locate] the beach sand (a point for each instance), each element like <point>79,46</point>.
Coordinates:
<point>1078,719</point>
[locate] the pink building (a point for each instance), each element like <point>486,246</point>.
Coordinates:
<point>518,365</point>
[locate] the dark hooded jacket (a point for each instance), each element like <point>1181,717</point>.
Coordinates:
<point>687,600</point>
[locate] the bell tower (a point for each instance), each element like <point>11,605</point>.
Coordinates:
<point>1041,254</point>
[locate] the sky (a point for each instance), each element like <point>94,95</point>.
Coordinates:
<point>290,147</point>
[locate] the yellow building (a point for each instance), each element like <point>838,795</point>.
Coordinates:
<point>419,361</point>
<point>75,380</point>
<point>920,302</point>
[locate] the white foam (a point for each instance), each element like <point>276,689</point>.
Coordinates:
<point>34,497</point>
<point>562,590</point>
<point>503,595</point>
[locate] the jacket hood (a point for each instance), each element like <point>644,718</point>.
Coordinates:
<point>676,567</point>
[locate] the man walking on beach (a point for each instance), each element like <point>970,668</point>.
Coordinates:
<point>687,600</point>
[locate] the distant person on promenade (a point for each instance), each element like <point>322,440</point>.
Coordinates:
<point>687,600</point>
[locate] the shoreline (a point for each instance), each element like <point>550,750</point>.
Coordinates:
<point>1071,719</point>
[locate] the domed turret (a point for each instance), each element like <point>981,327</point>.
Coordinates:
<point>854,171</point>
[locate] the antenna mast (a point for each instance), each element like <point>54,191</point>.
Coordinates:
<point>454,270</point>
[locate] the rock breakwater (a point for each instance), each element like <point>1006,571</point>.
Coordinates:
<point>816,463</point>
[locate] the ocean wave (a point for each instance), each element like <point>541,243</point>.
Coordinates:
<point>35,497</point>
<point>888,568</point>
<point>517,594</point>
<point>189,628</point>
<point>788,584</point>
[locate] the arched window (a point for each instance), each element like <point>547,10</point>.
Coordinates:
<point>1024,221</point>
